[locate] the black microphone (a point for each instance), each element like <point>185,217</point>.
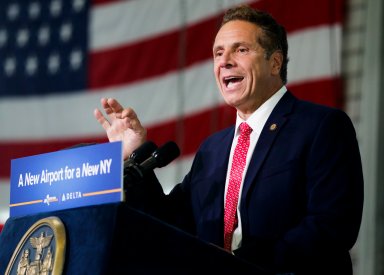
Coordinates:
<point>140,154</point>
<point>161,157</point>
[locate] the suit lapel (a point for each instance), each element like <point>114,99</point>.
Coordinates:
<point>225,149</point>
<point>212,192</point>
<point>269,133</point>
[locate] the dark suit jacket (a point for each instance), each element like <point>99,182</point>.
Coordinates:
<point>302,199</point>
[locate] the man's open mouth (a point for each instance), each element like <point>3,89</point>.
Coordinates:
<point>231,80</point>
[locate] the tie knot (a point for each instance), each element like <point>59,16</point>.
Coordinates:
<point>245,129</point>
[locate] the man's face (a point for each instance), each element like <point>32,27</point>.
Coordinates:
<point>244,76</point>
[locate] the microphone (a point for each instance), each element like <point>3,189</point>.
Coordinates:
<point>140,154</point>
<point>161,157</point>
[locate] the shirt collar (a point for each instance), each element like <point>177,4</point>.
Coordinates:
<point>257,120</point>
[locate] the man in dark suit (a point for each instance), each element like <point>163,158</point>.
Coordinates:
<point>299,195</point>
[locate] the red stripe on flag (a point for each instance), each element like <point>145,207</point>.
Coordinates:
<point>104,2</point>
<point>162,54</point>
<point>301,14</point>
<point>327,91</point>
<point>188,131</point>
<point>140,60</point>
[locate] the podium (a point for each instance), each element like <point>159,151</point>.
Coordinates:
<point>117,239</point>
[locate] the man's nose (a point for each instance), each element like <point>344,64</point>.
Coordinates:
<point>226,60</point>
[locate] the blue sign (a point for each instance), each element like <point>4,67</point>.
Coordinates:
<point>82,176</point>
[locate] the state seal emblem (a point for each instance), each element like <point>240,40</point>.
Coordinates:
<point>41,251</point>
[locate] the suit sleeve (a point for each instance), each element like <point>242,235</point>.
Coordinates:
<point>147,195</point>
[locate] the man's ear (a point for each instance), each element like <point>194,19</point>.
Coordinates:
<point>276,62</point>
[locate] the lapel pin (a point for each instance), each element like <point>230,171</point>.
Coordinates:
<point>273,127</point>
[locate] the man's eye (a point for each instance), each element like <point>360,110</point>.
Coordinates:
<point>243,50</point>
<point>218,54</point>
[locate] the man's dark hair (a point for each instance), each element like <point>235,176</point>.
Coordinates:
<point>274,38</point>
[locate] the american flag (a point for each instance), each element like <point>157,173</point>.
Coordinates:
<point>59,57</point>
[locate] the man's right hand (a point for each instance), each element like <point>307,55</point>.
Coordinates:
<point>121,125</point>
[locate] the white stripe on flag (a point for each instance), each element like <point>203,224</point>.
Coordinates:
<point>163,17</point>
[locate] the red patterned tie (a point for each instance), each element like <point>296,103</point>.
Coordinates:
<point>235,178</point>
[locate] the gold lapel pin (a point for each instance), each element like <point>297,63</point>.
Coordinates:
<point>273,127</point>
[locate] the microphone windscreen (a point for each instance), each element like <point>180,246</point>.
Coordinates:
<point>143,152</point>
<point>166,153</point>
